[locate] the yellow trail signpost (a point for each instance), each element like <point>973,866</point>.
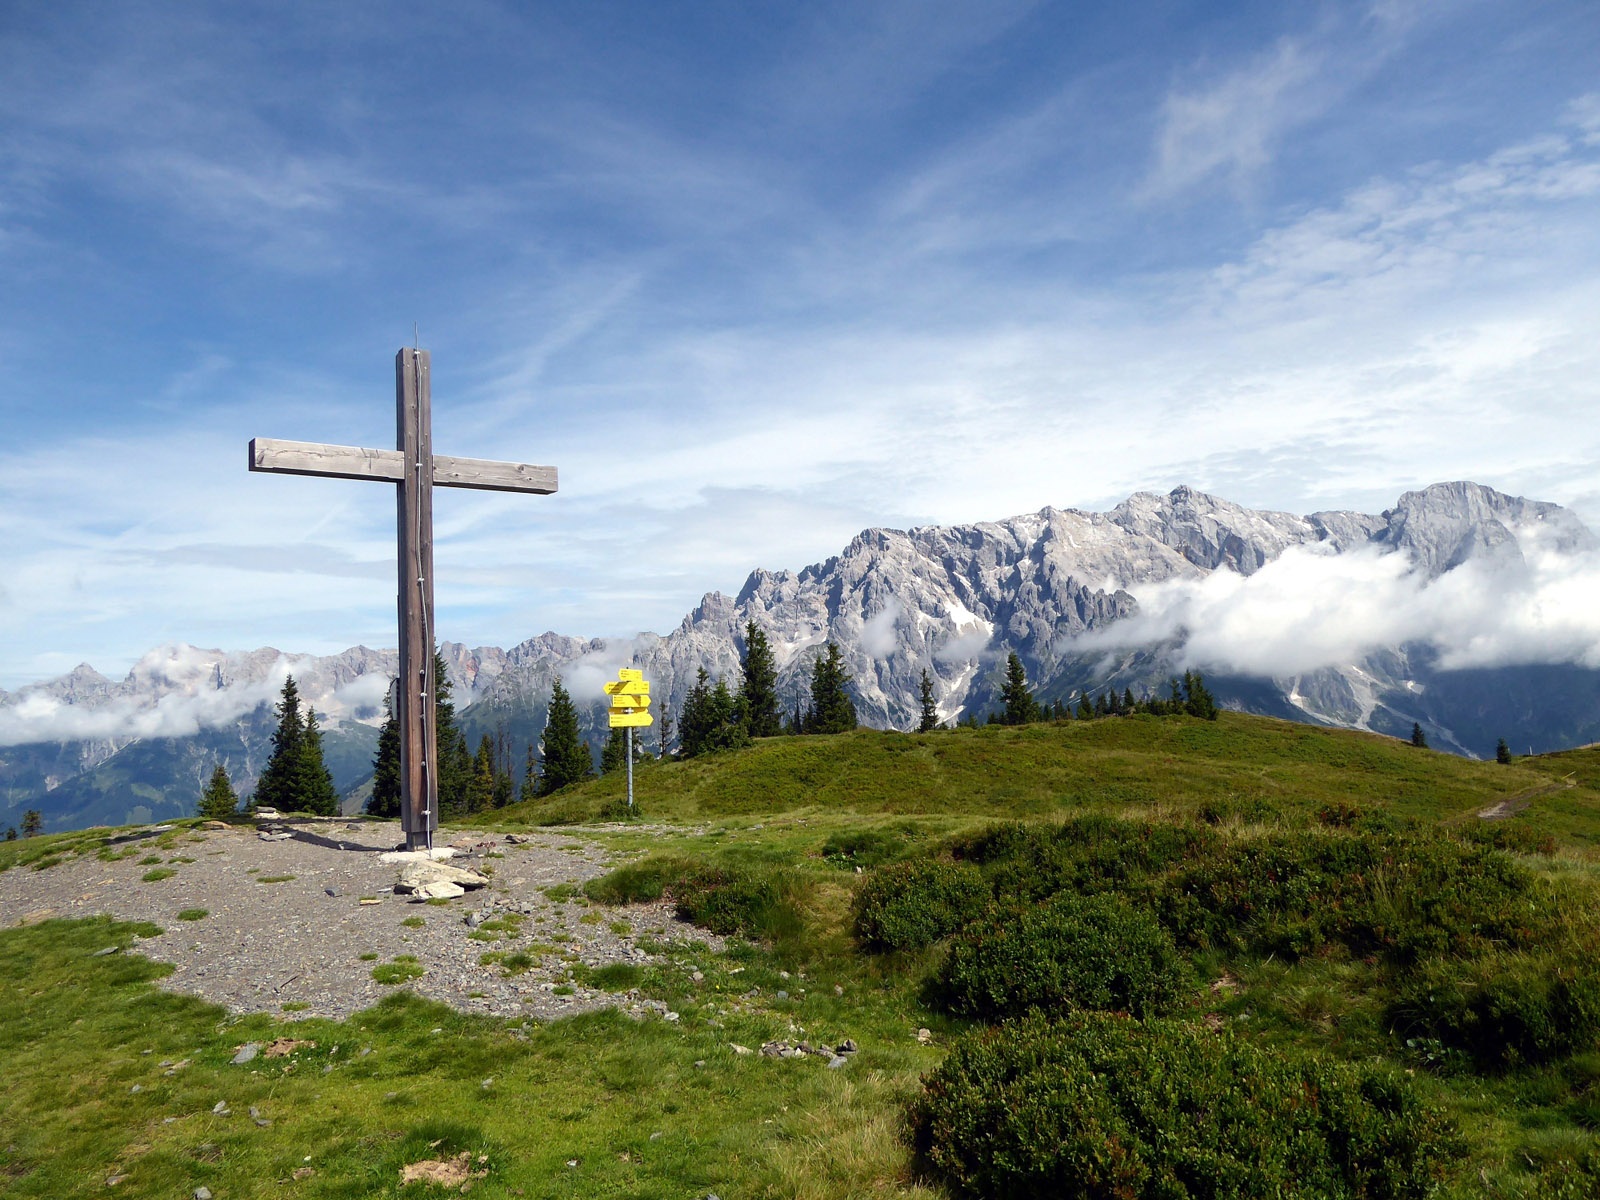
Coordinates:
<point>630,710</point>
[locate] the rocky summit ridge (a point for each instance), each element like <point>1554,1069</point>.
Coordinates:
<point>952,600</point>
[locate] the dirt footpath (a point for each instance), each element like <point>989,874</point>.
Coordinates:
<point>295,926</point>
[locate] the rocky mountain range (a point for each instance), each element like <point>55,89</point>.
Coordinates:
<point>1446,610</point>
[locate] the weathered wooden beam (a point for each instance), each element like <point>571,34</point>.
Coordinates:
<point>388,466</point>
<point>328,462</point>
<point>419,748</point>
<point>491,476</point>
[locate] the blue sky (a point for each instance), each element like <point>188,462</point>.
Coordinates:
<point>755,277</point>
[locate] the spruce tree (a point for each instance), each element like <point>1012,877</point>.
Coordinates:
<point>929,720</point>
<point>729,729</point>
<point>1418,738</point>
<point>1502,752</point>
<point>758,690</point>
<point>1129,704</point>
<point>314,790</point>
<point>694,723</point>
<point>454,768</point>
<point>480,784</point>
<point>277,786</point>
<point>664,732</point>
<point>1020,706</point>
<point>614,754</point>
<point>1085,708</point>
<point>385,798</point>
<point>11,833</point>
<point>32,823</point>
<point>712,719</point>
<point>219,800</point>
<point>530,778</point>
<point>832,710</point>
<point>566,758</point>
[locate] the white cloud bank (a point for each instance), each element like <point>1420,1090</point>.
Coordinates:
<point>1312,608</point>
<point>173,692</point>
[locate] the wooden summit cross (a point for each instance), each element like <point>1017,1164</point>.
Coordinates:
<point>415,467</point>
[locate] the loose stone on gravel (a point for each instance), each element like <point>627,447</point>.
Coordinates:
<point>260,948</point>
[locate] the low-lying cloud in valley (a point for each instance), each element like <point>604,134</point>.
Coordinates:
<point>1313,608</point>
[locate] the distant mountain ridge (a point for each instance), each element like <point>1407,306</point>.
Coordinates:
<point>1054,586</point>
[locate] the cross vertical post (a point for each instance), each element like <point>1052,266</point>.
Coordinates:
<point>419,746</point>
<point>414,467</point>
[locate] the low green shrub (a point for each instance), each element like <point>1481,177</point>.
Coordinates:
<point>1104,1107</point>
<point>1086,854</point>
<point>1510,836</point>
<point>1401,898</point>
<point>1094,952</point>
<point>1503,1010</point>
<point>866,848</point>
<point>913,904</point>
<point>754,901</point>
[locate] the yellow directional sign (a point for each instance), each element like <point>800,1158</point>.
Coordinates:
<point>630,701</point>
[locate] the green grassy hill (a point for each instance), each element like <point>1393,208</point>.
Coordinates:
<point>1324,906</point>
<point>1239,767</point>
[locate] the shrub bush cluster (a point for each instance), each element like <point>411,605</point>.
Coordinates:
<point>1504,1010</point>
<point>756,902</point>
<point>1401,898</point>
<point>1091,952</point>
<point>1088,854</point>
<point>1104,1107</point>
<point>913,904</point>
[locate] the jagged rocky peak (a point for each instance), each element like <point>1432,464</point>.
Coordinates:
<point>1444,525</point>
<point>1211,532</point>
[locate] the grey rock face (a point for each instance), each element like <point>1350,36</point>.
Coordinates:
<point>950,600</point>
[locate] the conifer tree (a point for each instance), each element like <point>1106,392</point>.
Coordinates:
<point>694,725</point>
<point>614,754</point>
<point>530,778</point>
<point>832,710</point>
<point>758,690</point>
<point>664,732</point>
<point>1085,708</point>
<point>1197,698</point>
<point>1020,706</point>
<point>729,730</point>
<point>712,719</point>
<point>1129,705</point>
<point>314,788</point>
<point>480,784</point>
<point>277,786</point>
<point>32,823</point>
<point>219,800</point>
<point>1502,752</point>
<point>455,763</point>
<point>11,833</point>
<point>1418,738</point>
<point>505,787</point>
<point>929,721</point>
<point>385,798</point>
<point>566,758</point>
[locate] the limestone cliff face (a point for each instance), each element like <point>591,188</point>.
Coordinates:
<point>951,600</point>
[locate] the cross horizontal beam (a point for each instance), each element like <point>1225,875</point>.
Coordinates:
<point>388,466</point>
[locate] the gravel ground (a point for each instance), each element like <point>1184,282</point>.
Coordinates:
<point>268,942</point>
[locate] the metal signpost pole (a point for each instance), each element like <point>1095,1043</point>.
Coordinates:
<point>630,768</point>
